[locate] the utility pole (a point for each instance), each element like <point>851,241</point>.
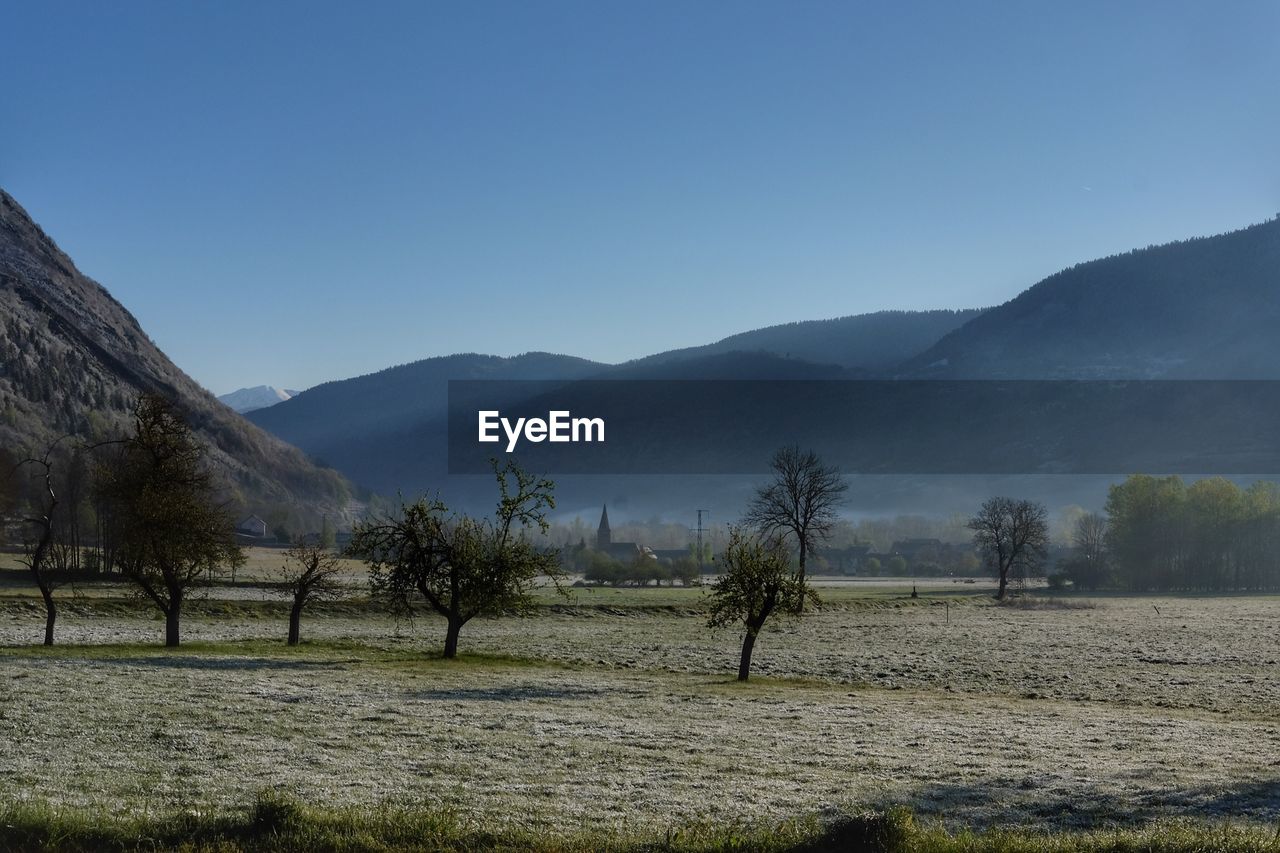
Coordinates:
<point>700,530</point>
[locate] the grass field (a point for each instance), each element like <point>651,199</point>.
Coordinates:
<point>615,711</point>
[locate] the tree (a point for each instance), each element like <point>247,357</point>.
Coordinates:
<point>310,573</point>
<point>687,571</point>
<point>462,567</point>
<point>1011,534</point>
<point>1088,567</point>
<point>756,581</point>
<point>1145,531</point>
<point>328,536</point>
<point>37,553</point>
<point>800,501</point>
<point>1259,538</point>
<point>169,528</point>
<point>1215,514</point>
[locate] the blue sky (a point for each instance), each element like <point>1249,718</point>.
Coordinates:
<point>286,193</point>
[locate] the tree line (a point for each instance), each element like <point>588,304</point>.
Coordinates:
<point>1155,534</point>
<point>1160,534</point>
<point>163,520</point>
<point>169,531</point>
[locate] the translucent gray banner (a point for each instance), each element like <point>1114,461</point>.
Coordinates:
<point>872,427</point>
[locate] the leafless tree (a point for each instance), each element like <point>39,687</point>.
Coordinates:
<point>800,501</point>
<point>1089,565</point>
<point>310,573</point>
<point>36,553</point>
<point>1089,537</point>
<point>1011,534</point>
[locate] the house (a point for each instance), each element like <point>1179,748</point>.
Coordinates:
<point>843,561</point>
<point>918,550</point>
<point>253,527</point>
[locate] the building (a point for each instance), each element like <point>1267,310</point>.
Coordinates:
<point>847,560</point>
<point>623,551</point>
<point>252,527</point>
<point>919,550</point>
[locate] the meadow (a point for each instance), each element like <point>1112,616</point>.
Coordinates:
<point>609,712</point>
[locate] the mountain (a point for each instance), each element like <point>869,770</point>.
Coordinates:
<point>371,427</point>
<point>259,397</point>
<point>1206,308</point>
<point>74,360</point>
<point>383,430</point>
<point>868,342</point>
<point>387,431</point>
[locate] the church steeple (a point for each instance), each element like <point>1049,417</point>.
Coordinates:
<point>604,536</point>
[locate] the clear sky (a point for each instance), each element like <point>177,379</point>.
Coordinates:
<point>285,193</point>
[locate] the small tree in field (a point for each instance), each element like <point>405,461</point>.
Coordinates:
<point>1011,534</point>
<point>310,573</point>
<point>462,567</point>
<point>37,552</point>
<point>756,581</point>
<point>169,530</point>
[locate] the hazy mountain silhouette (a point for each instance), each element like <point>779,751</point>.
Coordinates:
<point>387,430</point>
<point>1206,308</point>
<point>384,429</point>
<point>1195,309</point>
<point>74,360</point>
<point>348,421</point>
<point>865,342</point>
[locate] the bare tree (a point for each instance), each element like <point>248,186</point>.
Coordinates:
<point>1089,536</point>
<point>463,567</point>
<point>310,573</point>
<point>1089,565</point>
<point>756,581</point>
<point>800,501</point>
<point>1011,534</point>
<point>170,530</point>
<point>36,553</point>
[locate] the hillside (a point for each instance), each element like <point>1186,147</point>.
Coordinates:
<point>384,430</point>
<point>1198,309</point>
<point>387,431</point>
<point>865,342</point>
<point>74,360</point>
<point>1195,309</point>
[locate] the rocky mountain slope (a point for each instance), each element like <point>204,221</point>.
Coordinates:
<point>73,360</point>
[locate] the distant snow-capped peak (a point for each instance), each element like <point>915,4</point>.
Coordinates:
<point>260,397</point>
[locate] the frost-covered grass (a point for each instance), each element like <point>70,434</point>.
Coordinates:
<point>622,718</point>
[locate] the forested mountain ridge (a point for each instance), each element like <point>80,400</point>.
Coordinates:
<point>1204,308</point>
<point>384,429</point>
<point>364,408</point>
<point>387,430</point>
<point>864,342</point>
<point>74,360</point>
